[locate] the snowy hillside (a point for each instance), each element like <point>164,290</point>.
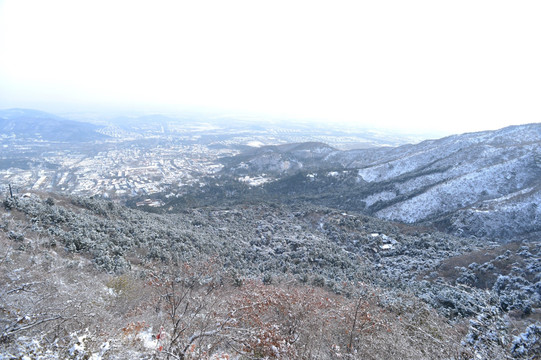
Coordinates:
<point>435,180</point>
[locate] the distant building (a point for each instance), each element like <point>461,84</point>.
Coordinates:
<point>150,202</point>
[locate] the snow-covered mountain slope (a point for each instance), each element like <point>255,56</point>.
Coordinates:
<point>280,159</point>
<point>518,212</point>
<point>445,181</point>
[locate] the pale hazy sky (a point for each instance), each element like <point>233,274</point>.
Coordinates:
<point>453,66</point>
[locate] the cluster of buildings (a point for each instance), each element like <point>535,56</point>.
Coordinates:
<point>116,172</point>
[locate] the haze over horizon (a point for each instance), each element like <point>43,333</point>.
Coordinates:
<point>416,66</point>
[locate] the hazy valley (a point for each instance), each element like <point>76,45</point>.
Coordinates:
<point>162,237</point>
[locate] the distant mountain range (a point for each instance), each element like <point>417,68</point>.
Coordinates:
<point>483,184</point>
<point>26,123</point>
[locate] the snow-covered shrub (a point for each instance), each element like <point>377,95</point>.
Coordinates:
<point>75,346</point>
<point>488,336</point>
<point>528,344</point>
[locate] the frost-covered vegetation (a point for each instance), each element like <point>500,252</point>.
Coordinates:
<point>90,279</point>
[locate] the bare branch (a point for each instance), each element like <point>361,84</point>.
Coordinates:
<point>31,325</point>
<point>23,287</point>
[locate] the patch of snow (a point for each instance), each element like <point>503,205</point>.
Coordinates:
<point>79,346</point>
<point>149,341</point>
<point>382,196</point>
<point>255,144</point>
<point>103,349</point>
<point>254,181</point>
<point>511,195</point>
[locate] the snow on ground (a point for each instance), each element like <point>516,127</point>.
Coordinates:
<point>459,192</point>
<point>255,144</point>
<point>381,196</point>
<point>254,181</point>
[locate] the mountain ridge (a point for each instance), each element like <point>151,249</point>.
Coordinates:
<point>431,181</point>
<point>27,123</point>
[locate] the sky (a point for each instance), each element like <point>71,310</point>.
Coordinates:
<point>447,66</point>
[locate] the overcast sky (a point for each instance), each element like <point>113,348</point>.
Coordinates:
<point>452,66</point>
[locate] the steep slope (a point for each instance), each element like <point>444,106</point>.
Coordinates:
<point>85,276</point>
<point>518,212</point>
<point>464,172</point>
<point>33,124</point>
